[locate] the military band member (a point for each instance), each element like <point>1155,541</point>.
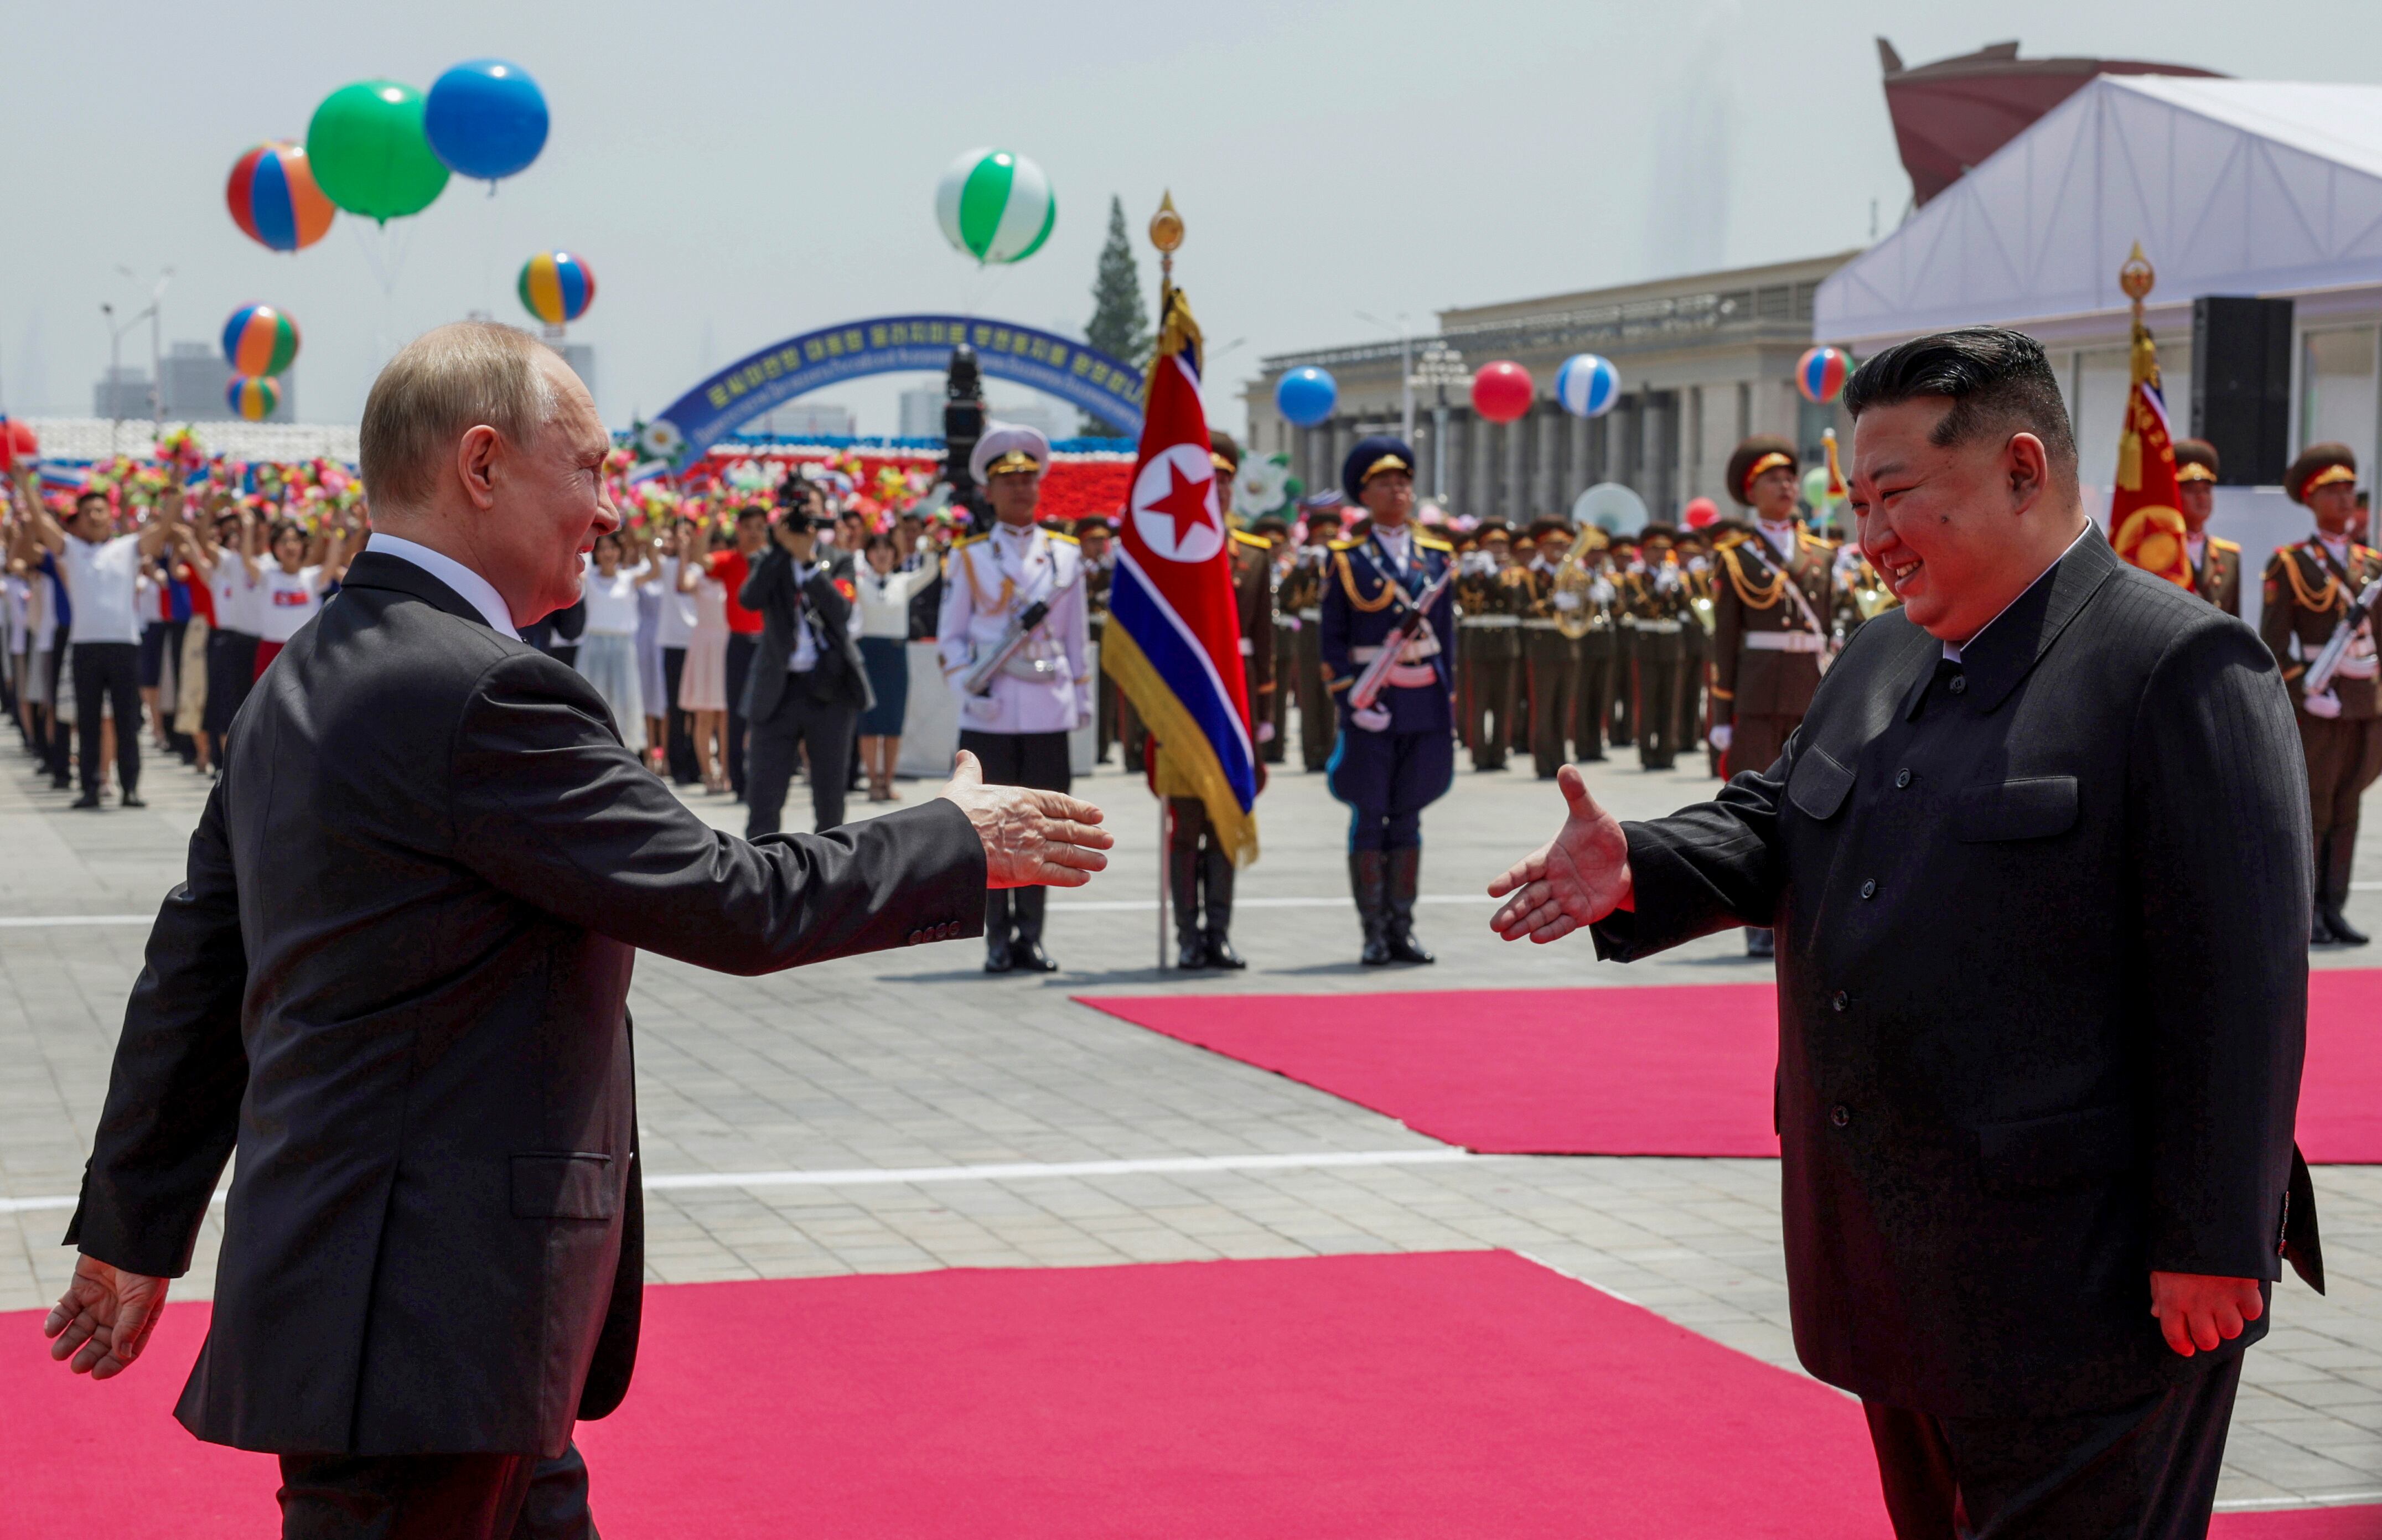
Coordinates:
<point>1625,560</point>
<point>1017,727</point>
<point>1695,554</point>
<point>1550,659</point>
<point>1660,605</point>
<point>1398,755</point>
<point>1279,554</point>
<point>1598,651</point>
<point>1488,595</point>
<point>1093,537</point>
<point>2215,564</point>
<point>1300,599</point>
<point>2308,591</point>
<point>1861,594</point>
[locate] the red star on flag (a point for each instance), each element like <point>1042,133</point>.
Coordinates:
<point>1186,503</point>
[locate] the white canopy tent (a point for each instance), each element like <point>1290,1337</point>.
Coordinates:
<point>2232,187</point>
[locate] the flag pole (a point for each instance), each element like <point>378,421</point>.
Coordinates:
<point>1166,234</point>
<point>1165,847</point>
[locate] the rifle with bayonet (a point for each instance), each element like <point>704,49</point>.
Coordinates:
<point>1368,685</point>
<point>2336,647</point>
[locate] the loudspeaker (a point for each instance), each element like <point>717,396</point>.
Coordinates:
<point>2241,385</point>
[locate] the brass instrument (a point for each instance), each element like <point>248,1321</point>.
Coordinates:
<point>1578,618</point>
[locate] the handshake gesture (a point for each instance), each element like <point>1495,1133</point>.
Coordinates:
<point>1571,882</point>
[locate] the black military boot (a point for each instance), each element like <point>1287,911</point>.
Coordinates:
<point>1216,882</point>
<point>1182,889</point>
<point>1406,873</point>
<point>1025,956</point>
<point>2334,891</point>
<point>996,931</point>
<point>1367,873</point>
<point>2320,930</point>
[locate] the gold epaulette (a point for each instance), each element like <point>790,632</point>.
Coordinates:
<point>2217,543</point>
<point>1068,538</point>
<point>1347,544</point>
<point>967,540</point>
<point>1247,539</point>
<point>1430,544</point>
<point>1731,540</point>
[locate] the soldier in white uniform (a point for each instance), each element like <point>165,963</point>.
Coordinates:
<point>1017,725</point>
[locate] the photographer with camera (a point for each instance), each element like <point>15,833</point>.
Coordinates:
<point>809,686</point>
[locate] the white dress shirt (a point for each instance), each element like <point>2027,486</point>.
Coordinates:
<point>469,586</point>
<point>102,577</point>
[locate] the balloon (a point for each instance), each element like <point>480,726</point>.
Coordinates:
<point>18,434</point>
<point>995,207</point>
<point>256,398</point>
<point>1305,396</point>
<point>259,339</point>
<point>485,119</point>
<point>369,154</point>
<point>1821,373</point>
<point>1586,385</point>
<point>274,199</point>
<point>1699,513</point>
<point>557,286</point>
<point>1502,391</point>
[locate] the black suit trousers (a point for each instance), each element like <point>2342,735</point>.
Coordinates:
<point>2146,1471</point>
<point>798,721</point>
<point>434,1497</point>
<point>680,735</point>
<point>110,671</point>
<point>741,645</point>
<point>1037,760</point>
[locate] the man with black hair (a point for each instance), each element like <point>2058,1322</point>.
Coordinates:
<point>2215,564</point>
<point>2035,857</point>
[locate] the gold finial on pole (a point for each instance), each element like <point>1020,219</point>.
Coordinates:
<point>2136,278</point>
<point>1166,234</point>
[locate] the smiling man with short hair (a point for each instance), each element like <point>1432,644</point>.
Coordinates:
<point>2038,860</point>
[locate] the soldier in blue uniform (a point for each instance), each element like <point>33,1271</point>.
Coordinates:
<point>1396,757</point>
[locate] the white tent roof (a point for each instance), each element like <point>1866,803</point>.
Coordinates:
<point>2232,187</point>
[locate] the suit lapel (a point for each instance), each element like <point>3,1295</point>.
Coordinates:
<point>375,569</point>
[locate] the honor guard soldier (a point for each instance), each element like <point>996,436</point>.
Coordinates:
<point>1549,657</point>
<point>1275,729</point>
<point>1300,602</point>
<point>2215,564</point>
<point>1487,594</point>
<point>1093,537</point>
<point>1661,608</point>
<point>1598,649</point>
<point>1623,561</point>
<point>2309,589</point>
<point>1016,719</point>
<point>1396,756</point>
<point>1199,869</point>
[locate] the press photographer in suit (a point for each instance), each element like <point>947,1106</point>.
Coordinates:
<point>808,685</point>
<point>2039,864</point>
<point>393,981</point>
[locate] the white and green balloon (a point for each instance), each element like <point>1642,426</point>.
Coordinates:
<point>995,206</point>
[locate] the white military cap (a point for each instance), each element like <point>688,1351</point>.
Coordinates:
<point>1008,446</point>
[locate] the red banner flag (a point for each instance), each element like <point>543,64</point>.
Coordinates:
<point>2146,512</point>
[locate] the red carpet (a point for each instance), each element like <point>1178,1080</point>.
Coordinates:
<point>1677,1070</point>
<point>1461,1393</point>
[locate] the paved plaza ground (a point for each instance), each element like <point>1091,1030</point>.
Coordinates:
<point>839,1118</point>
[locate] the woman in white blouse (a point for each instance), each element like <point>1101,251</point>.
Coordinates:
<point>884,620</point>
<point>703,688</point>
<point>608,649</point>
<point>288,591</point>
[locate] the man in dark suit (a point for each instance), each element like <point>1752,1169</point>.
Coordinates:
<point>394,980</point>
<point>808,685</point>
<point>2038,859</point>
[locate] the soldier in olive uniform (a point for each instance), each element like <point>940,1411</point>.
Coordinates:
<point>1594,683</point>
<point>1661,608</point>
<point>1624,559</point>
<point>1299,601</point>
<point>1488,603</point>
<point>1550,662</point>
<point>1092,535</point>
<point>1275,729</point>
<point>2309,588</point>
<point>1860,594</point>
<point>1695,554</point>
<point>2215,564</point>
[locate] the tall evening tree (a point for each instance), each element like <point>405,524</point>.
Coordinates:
<point>1119,324</point>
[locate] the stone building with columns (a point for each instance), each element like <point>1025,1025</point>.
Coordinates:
<point>1704,360</point>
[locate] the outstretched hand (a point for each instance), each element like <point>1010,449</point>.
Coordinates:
<point>104,1318</point>
<point>1571,882</point>
<point>1031,839</point>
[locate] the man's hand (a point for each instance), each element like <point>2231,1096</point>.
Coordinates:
<point>1031,839</point>
<point>104,1318</point>
<point>2198,1311</point>
<point>1574,881</point>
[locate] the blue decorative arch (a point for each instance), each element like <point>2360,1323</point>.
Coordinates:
<point>1105,387</point>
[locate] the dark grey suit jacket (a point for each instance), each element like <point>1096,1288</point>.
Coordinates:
<point>2042,988</point>
<point>394,979</point>
<point>839,676</point>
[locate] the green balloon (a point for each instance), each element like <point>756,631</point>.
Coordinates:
<point>369,154</point>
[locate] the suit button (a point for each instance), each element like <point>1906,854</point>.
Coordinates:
<point>1869,889</point>
<point>1840,1115</point>
<point>1842,1001</point>
<point>1959,684</point>
<point>1902,777</point>
<point>916,936</point>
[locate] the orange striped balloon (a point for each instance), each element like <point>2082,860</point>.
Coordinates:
<point>254,397</point>
<point>557,286</point>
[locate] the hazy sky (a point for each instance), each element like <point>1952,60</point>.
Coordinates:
<point>737,172</point>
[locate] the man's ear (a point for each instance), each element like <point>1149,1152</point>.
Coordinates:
<point>2029,467</point>
<point>475,463</point>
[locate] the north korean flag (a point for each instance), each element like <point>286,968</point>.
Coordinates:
<point>1172,642</point>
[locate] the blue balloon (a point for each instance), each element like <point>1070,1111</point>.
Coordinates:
<point>1305,396</point>
<point>485,119</point>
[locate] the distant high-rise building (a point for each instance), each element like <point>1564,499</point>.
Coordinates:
<point>922,412</point>
<point>1035,411</point>
<point>580,357</point>
<point>121,393</point>
<point>803,419</point>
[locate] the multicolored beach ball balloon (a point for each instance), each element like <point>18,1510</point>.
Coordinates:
<point>254,397</point>
<point>1588,385</point>
<point>1821,374</point>
<point>274,199</point>
<point>259,339</point>
<point>996,205</point>
<point>557,286</point>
